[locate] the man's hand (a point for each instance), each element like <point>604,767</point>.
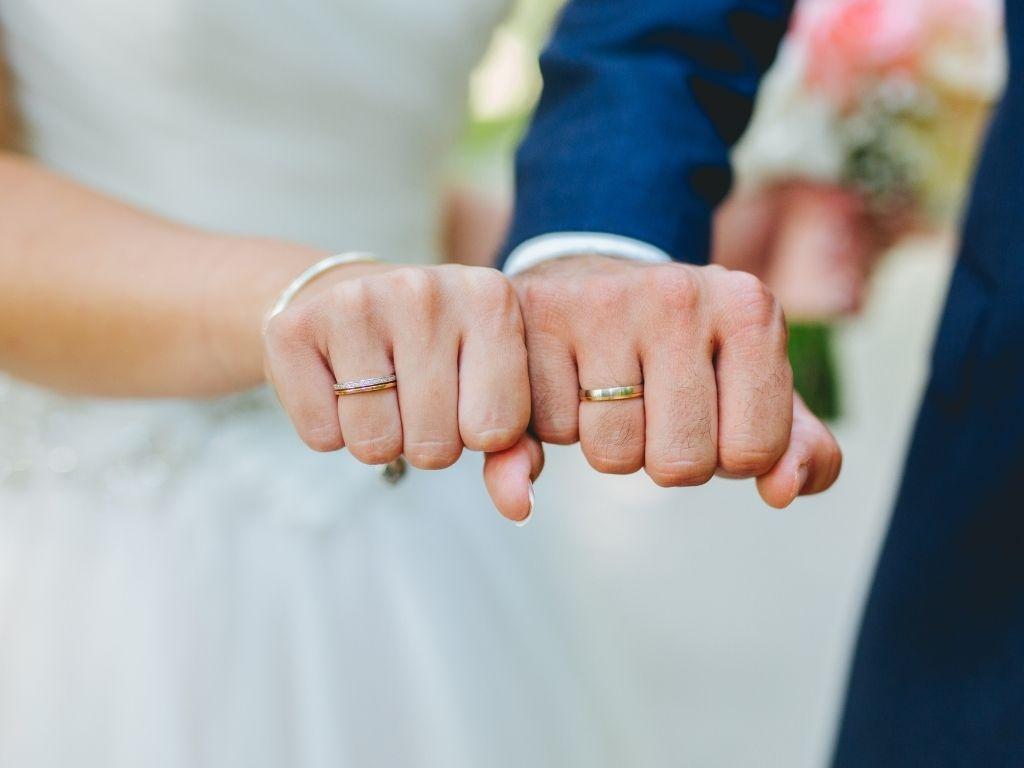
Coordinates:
<point>814,244</point>
<point>709,346</point>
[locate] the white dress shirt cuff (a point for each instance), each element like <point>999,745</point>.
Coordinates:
<point>557,245</point>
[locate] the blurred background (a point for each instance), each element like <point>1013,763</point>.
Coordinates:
<point>727,625</point>
<point>722,629</point>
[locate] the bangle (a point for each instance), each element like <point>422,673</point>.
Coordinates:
<point>308,276</point>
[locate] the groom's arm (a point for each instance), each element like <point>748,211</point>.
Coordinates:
<point>641,104</point>
<point>628,156</point>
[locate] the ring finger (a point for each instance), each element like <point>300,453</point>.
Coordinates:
<point>370,421</point>
<point>611,432</point>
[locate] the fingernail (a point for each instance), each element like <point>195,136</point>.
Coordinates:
<point>525,520</point>
<point>802,473</point>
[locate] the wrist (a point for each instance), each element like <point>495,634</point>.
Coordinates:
<point>578,265</point>
<point>560,245</point>
<point>248,276</point>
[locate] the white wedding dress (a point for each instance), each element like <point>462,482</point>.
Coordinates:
<point>184,583</point>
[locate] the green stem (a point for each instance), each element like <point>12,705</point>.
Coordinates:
<point>815,374</point>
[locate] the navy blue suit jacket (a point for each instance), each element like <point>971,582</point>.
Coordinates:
<point>642,100</point>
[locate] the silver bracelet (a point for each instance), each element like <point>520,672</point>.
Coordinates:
<point>309,275</point>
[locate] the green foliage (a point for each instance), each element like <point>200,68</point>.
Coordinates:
<point>814,368</point>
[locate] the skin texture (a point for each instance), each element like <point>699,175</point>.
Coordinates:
<point>709,345</point>
<point>452,334</point>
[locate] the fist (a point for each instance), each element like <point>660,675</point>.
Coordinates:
<point>453,336</point>
<point>709,346</point>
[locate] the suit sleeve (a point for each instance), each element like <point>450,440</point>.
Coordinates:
<point>642,101</point>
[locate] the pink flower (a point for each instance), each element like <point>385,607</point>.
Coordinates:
<point>849,42</point>
<point>966,14</point>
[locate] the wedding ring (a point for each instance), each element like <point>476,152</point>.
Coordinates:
<point>359,386</point>
<point>607,394</point>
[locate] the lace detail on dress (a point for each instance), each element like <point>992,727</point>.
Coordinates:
<point>231,454</point>
<point>114,446</point>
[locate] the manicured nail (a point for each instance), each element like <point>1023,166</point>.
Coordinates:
<point>802,473</point>
<point>525,520</point>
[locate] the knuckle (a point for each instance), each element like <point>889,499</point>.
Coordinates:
<point>686,455</point>
<point>753,304</point>
<point>291,329</point>
<point>680,473</point>
<point>323,438</point>
<point>354,296</point>
<point>379,449</point>
<point>546,301</point>
<point>605,293</point>
<point>557,428</point>
<point>491,288</point>
<point>416,297</point>
<point>432,454</point>
<point>418,286</point>
<point>491,439</point>
<point>836,467</point>
<point>557,433</point>
<point>615,445</point>
<point>614,463</point>
<point>555,420</point>
<point>748,458</point>
<point>494,304</point>
<point>676,289</point>
<point>833,459</point>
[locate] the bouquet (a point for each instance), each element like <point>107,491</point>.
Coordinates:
<point>876,107</point>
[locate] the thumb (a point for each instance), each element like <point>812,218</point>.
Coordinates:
<point>810,464</point>
<point>509,476</point>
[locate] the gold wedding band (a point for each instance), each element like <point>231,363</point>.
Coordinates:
<point>607,394</point>
<point>359,386</point>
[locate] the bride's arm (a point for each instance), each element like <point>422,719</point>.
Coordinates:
<point>99,298</point>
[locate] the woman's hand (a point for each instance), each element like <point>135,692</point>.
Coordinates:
<point>453,335</point>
